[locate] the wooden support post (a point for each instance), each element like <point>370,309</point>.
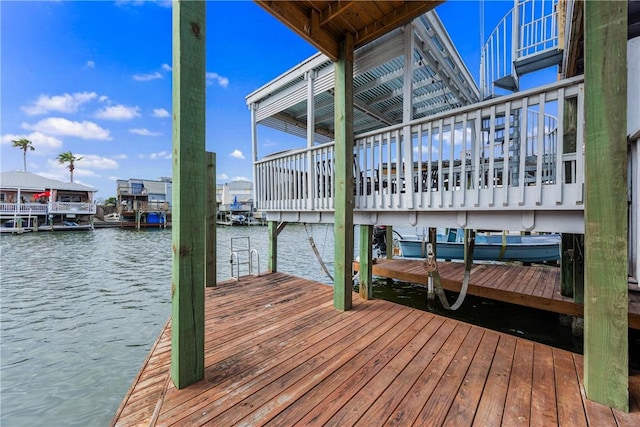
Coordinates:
<point>366,261</point>
<point>272,263</point>
<point>342,287</point>
<point>433,237</point>
<point>389,239</point>
<point>210,225</point>
<point>606,347</point>
<point>571,261</point>
<point>187,288</point>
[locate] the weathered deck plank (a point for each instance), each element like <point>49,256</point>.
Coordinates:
<point>286,357</point>
<point>534,286</point>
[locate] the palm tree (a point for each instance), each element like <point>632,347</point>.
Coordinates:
<point>24,144</point>
<point>68,157</point>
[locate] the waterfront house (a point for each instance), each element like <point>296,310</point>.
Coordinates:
<point>234,202</point>
<point>494,163</point>
<point>144,202</point>
<point>31,201</point>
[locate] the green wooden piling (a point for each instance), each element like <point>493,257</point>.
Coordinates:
<point>188,275</point>
<point>366,255</point>
<point>272,263</point>
<point>571,262</point>
<point>343,178</point>
<point>210,226</point>
<point>389,239</point>
<point>606,348</point>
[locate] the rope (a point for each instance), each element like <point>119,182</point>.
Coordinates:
<point>315,251</point>
<point>431,266</point>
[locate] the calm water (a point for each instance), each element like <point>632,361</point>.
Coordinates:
<point>80,311</point>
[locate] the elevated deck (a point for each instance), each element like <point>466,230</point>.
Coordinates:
<point>284,356</point>
<point>500,164</point>
<point>535,286</point>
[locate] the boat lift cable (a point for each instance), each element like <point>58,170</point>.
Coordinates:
<point>316,252</point>
<point>431,266</point>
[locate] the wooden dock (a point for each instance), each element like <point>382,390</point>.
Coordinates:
<point>277,353</point>
<point>535,286</point>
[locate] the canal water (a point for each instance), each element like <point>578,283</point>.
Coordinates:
<point>80,311</point>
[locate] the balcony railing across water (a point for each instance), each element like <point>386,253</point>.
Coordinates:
<point>48,208</point>
<point>503,154</point>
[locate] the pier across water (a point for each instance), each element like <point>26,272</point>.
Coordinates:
<point>536,286</point>
<point>278,353</point>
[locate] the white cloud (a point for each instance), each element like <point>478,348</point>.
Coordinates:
<point>66,103</point>
<point>144,132</point>
<point>120,156</point>
<point>237,154</point>
<point>42,143</point>
<point>64,127</point>
<point>97,162</point>
<point>223,176</point>
<point>240,178</point>
<point>160,112</point>
<point>221,80</point>
<point>118,112</point>
<point>103,98</point>
<point>90,64</point>
<point>160,155</point>
<point>166,67</point>
<point>147,77</point>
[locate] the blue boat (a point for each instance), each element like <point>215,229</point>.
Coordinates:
<point>503,247</point>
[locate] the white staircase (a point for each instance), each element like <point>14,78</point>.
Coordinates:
<point>524,41</point>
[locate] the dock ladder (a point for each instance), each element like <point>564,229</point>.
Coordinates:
<point>242,254</point>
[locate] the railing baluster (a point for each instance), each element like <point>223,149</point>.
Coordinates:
<point>440,173</point>
<point>476,153</point>
<point>419,175</point>
<point>506,172</point>
<point>524,136</point>
<point>540,158</point>
<point>452,142</point>
<point>559,181</point>
<point>580,146</point>
<point>463,161</point>
<point>399,171</point>
<point>491,173</point>
<point>389,202</point>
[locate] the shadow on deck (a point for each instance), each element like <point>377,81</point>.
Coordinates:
<point>284,356</point>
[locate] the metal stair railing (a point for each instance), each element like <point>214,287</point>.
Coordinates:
<point>525,40</point>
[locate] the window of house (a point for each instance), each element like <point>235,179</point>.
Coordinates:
<point>136,187</point>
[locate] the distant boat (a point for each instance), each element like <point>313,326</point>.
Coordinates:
<point>506,247</point>
<point>112,217</point>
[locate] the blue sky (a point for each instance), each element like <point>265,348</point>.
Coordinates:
<point>94,78</point>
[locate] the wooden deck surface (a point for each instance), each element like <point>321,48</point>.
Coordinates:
<point>278,354</point>
<point>534,286</point>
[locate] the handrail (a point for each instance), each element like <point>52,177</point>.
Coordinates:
<point>254,251</point>
<point>527,29</point>
<point>235,254</point>
<point>486,156</point>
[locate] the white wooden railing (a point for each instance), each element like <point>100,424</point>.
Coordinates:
<point>72,207</point>
<point>23,208</point>
<point>487,156</point>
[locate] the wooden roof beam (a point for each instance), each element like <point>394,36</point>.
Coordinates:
<point>333,10</point>
<point>400,16</point>
<point>307,26</point>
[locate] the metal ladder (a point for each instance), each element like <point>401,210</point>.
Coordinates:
<point>242,246</point>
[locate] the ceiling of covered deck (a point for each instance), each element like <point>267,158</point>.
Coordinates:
<point>441,81</point>
<point>325,23</point>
